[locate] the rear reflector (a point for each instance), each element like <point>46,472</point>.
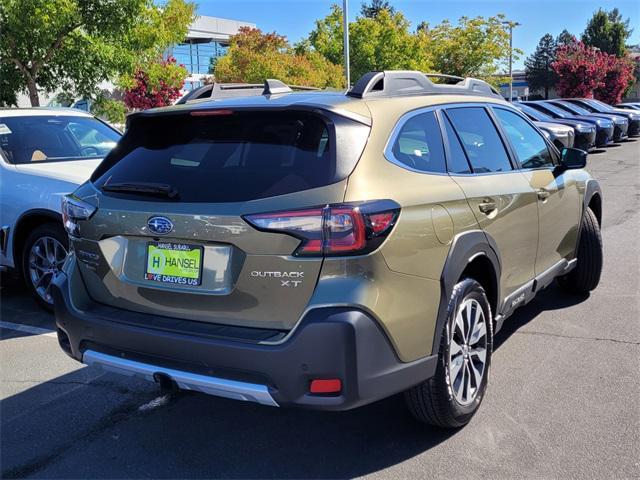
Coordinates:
<point>333,385</point>
<point>334,229</point>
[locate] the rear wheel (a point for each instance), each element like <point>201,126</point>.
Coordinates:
<point>586,275</point>
<point>44,252</point>
<point>452,396</point>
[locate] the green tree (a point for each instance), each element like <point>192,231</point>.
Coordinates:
<point>539,73</point>
<point>254,56</point>
<point>476,47</point>
<point>379,42</point>
<point>565,38</point>
<point>608,32</point>
<point>73,45</point>
<point>374,7</point>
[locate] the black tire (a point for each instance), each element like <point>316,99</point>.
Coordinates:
<point>49,229</point>
<point>433,401</point>
<point>586,275</point>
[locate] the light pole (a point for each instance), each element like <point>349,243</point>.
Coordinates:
<point>345,28</point>
<point>510,24</point>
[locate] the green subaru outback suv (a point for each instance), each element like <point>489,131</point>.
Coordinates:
<point>324,250</point>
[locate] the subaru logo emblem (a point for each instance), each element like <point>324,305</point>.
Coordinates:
<point>160,225</point>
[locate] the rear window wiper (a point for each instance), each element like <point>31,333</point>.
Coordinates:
<point>144,188</point>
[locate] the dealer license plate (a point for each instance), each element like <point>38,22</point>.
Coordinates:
<point>174,263</point>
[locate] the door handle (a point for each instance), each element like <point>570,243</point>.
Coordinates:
<point>487,206</point>
<point>543,194</point>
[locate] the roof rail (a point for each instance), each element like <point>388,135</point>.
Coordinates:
<point>229,90</point>
<point>397,83</point>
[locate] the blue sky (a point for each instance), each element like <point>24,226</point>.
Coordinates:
<point>295,18</point>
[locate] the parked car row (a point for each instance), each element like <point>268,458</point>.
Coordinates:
<point>629,106</point>
<point>595,124</point>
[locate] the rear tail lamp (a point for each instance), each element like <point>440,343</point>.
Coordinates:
<point>74,209</point>
<point>333,230</point>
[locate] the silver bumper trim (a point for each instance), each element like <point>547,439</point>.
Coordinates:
<point>220,387</point>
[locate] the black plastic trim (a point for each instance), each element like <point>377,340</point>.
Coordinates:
<point>592,188</point>
<point>465,247</point>
<point>333,342</point>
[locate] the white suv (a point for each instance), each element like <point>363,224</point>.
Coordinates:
<point>45,153</point>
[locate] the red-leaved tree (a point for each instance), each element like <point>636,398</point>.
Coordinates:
<point>585,71</point>
<point>580,69</point>
<point>156,85</point>
<point>617,77</point>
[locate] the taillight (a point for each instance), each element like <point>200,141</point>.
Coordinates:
<point>74,209</point>
<point>334,229</point>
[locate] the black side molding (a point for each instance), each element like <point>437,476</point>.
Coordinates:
<point>465,247</point>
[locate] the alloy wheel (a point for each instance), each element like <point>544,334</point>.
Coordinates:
<point>468,351</point>
<point>45,260</point>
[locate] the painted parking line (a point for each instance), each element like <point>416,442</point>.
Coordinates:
<point>28,329</point>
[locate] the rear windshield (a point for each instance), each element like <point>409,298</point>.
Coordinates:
<point>230,157</point>
<point>54,138</point>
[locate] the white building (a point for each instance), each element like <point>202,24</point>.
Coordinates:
<point>207,40</point>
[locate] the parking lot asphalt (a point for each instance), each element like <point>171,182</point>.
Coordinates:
<point>563,399</point>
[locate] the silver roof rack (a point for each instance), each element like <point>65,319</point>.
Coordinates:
<point>397,83</point>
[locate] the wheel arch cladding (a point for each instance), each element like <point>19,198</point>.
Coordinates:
<point>26,223</point>
<point>473,254</point>
<point>593,198</point>
<point>595,204</point>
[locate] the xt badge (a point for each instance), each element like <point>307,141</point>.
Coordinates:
<point>287,279</point>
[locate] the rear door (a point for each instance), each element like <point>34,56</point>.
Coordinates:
<point>557,193</point>
<point>170,235</point>
<point>501,199</point>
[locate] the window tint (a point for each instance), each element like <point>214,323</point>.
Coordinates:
<point>233,157</point>
<point>532,113</point>
<point>553,111</point>
<point>573,108</point>
<point>419,144</point>
<point>480,139</point>
<point>457,161</point>
<point>530,147</point>
<point>51,138</point>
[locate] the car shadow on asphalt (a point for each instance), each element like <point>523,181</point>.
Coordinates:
<point>551,298</point>
<point>103,430</point>
<point>18,306</point>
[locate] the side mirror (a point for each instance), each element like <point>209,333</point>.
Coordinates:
<point>573,158</point>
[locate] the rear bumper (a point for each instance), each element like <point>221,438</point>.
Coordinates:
<point>329,343</point>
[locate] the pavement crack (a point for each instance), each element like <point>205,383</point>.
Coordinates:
<point>576,337</point>
<point>118,415</point>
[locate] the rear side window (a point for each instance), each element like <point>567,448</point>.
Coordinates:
<point>231,157</point>
<point>480,139</point>
<point>418,144</point>
<point>529,146</point>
